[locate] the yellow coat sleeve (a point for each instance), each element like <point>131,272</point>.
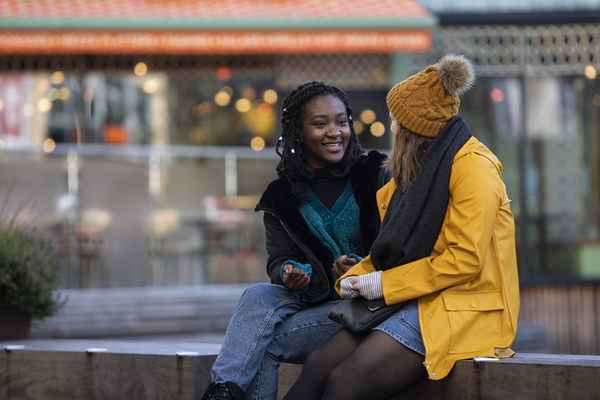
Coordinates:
<point>476,194</point>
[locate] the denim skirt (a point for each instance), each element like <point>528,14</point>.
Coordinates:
<point>404,326</point>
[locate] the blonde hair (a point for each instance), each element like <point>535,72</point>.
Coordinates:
<point>406,154</point>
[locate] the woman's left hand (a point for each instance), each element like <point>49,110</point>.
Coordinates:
<point>347,287</point>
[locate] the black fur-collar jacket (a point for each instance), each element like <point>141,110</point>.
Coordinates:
<point>289,237</point>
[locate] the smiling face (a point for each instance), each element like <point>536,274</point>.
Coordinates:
<point>325,130</point>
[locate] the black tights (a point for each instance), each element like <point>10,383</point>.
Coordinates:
<point>348,366</point>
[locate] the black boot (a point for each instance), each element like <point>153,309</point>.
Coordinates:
<point>223,391</point>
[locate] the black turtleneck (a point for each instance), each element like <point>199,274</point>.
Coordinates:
<point>326,187</point>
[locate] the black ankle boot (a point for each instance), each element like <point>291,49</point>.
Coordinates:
<point>223,391</point>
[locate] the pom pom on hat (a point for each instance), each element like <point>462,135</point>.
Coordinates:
<point>426,101</point>
<point>456,74</point>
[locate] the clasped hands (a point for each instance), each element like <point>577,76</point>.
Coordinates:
<point>297,279</point>
<point>368,286</point>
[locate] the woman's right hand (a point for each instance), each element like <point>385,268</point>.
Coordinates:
<point>295,278</point>
<point>343,264</point>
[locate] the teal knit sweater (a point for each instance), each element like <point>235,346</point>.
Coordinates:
<point>338,229</point>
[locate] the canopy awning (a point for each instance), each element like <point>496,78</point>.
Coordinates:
<point>213,27</point>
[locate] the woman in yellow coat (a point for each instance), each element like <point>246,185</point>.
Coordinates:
<point>445,252</point>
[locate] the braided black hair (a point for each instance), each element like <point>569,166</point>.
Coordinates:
<point>294,165</point>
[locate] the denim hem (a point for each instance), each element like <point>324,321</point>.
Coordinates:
<point>401,340</point>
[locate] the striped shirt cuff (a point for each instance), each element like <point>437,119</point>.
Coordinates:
<point>370,286</point>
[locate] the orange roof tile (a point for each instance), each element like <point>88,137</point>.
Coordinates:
<point>202,42</point>
<point>228,9</point>
<point>212,26</point>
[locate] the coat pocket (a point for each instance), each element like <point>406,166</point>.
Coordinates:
<point>475,320</point>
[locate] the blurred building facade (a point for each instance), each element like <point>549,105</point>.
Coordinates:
<point>134,131</point>
<point>145,130</point>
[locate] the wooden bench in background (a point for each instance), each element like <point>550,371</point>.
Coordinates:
<point>91,369</point>
<point>94,313</point>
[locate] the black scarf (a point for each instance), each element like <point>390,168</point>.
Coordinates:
<point>413,220</point>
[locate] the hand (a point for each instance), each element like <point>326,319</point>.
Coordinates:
<point>348,287</point>
<point>343,264</point>
<point>295,278</point>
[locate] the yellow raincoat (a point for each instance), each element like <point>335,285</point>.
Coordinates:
<point>468,287</point>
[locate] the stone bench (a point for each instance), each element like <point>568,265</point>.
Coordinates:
<point>93,369</point>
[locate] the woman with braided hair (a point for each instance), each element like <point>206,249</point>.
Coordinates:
<point>320,218</point>
<point>445,254</point>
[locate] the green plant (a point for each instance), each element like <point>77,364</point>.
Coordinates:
<point>28,268</point>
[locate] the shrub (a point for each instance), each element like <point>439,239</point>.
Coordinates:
<point>29,269</point>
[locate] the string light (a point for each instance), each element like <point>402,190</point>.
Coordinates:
<point>249,94</point>
<point>590,72</point>
<point>223,73</point>
<point>140,69</point>
<point>497,95</point>
<point>49,145</point>
<point>150,86</point>
<point>243,105</point>
<point>57,77</point>
<point>64,94</point>
<point>44,105</point>
<point>377,129</point>
<point>368,116</point>
<point>264,110</point>
<point>222,99</point>
<point>257,143</point>
<point>53,94</point>
<point>270,96</point>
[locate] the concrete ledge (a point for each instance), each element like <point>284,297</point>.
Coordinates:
<point>91,369</point>
<point>521,377</point>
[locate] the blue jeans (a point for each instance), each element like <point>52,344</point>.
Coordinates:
<point>270,324</point>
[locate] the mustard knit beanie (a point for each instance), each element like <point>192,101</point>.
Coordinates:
<point>426,101</point>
